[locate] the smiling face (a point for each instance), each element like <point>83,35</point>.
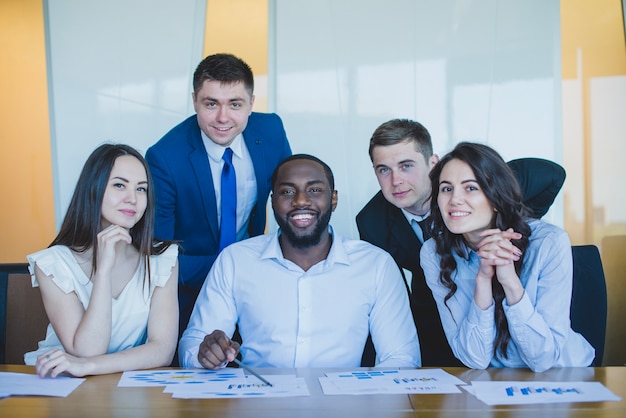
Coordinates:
<point>125,197</point>
<point>402,174</point>
<point>303,201</point>
<point>222,110</point>
<point>464,207</point>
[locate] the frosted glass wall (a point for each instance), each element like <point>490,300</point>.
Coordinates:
<point>485,70</point>
<point>118,71</point>
<point>482,70</point>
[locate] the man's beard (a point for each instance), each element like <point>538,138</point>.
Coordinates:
<point>304,241</point>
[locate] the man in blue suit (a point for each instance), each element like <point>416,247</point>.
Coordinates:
<point>187,163</point>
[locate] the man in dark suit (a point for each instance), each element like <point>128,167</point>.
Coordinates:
<point>395,220</point>
<point>187,166</point>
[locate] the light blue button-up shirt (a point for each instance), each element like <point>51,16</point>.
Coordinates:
<point>321,317</point>
<point>541,333</point>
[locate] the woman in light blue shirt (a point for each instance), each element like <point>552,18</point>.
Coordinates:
<point>502,281</point>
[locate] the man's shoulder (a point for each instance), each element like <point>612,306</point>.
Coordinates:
<point>260,117</point>
<point>266,125</point>
<point>363,248</point>
<point>377,208</point>
<point>255,244</point>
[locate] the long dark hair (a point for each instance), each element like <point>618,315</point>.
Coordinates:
<point>82,222</point>
<point>500,187</point>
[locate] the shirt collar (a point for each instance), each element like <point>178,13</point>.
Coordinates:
<point>409,216</point>
<point>337,253</point>
<point>216,151</point>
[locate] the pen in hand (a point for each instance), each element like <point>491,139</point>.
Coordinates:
<point>252,372</point>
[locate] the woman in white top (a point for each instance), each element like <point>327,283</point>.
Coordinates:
<point>502,281</point>
<point>109,288</point>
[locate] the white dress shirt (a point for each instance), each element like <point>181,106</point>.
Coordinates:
<point>289,317</point>
<point>244,174</point>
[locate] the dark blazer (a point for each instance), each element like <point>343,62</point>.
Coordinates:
<point>384,225</point>
<point>186,209</point>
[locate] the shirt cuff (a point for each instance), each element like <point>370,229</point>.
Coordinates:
<point>189,358</point>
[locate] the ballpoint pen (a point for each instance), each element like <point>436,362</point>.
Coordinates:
<point>252,372</point>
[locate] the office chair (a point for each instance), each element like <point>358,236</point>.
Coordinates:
<point>23,319</point>
<point>588,311</point>
<point>540,181</point>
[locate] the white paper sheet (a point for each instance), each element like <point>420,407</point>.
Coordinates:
<point>390,381</point>
<point>173,377</point>
<point>30,384</point>
<point>246,387</point>
<point>514,393</point>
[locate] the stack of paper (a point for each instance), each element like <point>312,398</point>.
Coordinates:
<point>390,381</point>
<point>225,383</point>
<point>234,383</point>
<point>244,387</point>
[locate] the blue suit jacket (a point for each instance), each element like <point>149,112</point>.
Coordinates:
<point>186,209</point>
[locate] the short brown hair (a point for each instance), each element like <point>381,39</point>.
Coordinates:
<point>402,130</point>
<point>225,68</point>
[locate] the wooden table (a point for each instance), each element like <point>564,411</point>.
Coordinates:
<point>99,396</point>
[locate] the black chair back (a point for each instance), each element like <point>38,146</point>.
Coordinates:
<point>588,311</point>
<point>5,270</point>
<point>540,181</point>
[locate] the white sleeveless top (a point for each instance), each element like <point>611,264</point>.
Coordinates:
<point>130,309</point>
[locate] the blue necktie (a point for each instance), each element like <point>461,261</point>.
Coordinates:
<point>228,226</point>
